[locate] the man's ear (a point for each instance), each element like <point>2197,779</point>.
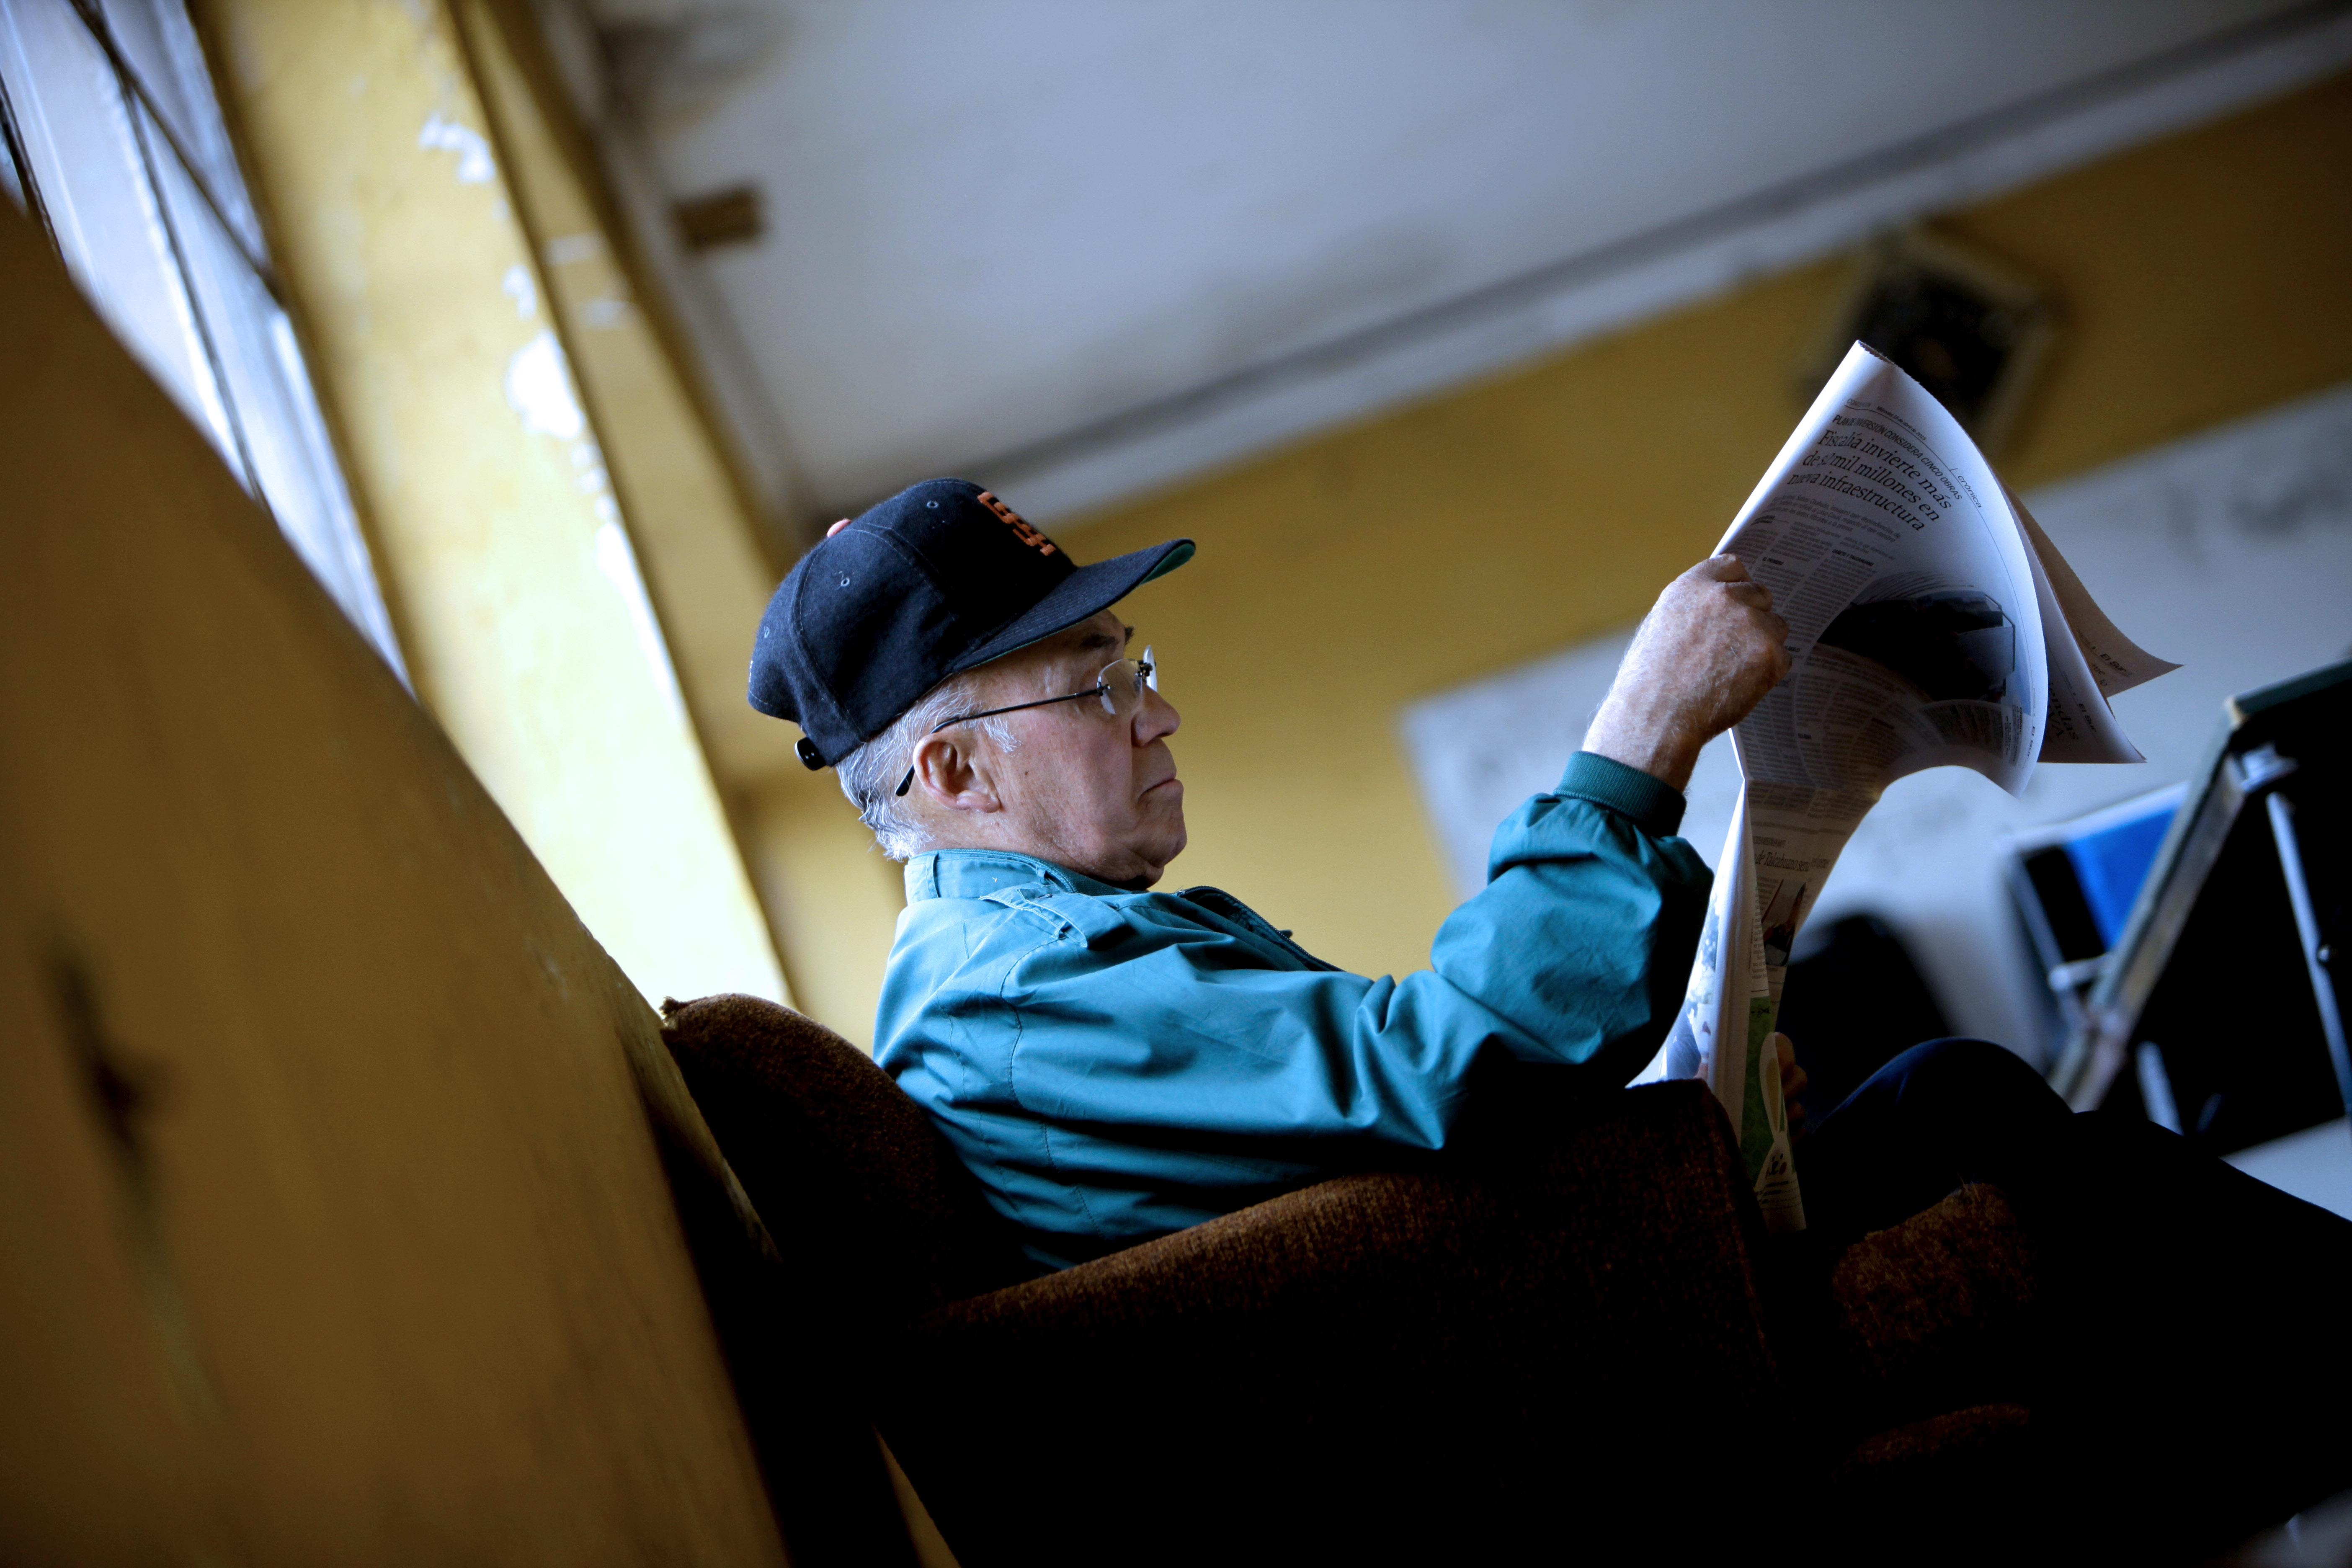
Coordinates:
<point>950,772</point>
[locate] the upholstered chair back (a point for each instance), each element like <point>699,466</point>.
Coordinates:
<point>848,1173</point>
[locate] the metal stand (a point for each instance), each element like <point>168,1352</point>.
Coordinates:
<point>2318,944</point>
<point>2283,743</point>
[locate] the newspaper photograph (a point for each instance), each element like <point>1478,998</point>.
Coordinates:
<point>1931,623</point>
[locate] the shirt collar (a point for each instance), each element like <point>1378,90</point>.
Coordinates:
<point>977,873</point>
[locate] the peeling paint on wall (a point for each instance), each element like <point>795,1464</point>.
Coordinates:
<point>474,166</point>
<point>538,387</point>
<point>606,310</point>
<point>399,204</point>
<point>519,287</point>
<point>619,565</point>
<point>593,480</point>
<point>566,249</point>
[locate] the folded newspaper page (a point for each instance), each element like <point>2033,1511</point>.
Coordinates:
<point>1931,623</point>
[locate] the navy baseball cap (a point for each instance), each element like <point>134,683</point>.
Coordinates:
<point>938,579</point>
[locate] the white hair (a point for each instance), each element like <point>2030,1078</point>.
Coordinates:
<point>870,774</point>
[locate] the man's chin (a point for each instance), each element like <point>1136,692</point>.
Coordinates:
<point>1177,838</point>
<point>1156,861</point>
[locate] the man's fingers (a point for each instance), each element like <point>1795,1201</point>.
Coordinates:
<point>1708,652</point>
<point>1792,1077</point>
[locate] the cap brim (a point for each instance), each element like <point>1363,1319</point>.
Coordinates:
<point>1087,591</point>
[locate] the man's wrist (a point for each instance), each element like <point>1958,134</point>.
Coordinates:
<point>1649,801</point>
<point>1656,748</point>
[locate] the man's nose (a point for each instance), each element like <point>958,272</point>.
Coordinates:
<point>1156,720</point>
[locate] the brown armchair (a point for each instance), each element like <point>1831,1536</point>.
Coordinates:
<point>1562,1335</point>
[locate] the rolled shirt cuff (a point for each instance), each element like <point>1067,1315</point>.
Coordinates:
<point>1655,805</point>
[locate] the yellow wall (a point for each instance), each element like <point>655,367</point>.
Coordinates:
<point>374,1261</point>
<point>2201,276</point>
<point>509,564</point>
<point>696,532</point>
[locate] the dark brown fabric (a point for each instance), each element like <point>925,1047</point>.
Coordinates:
<point>1513,1343</point>
<point>1438,1361</point>
<point>807,1421</point>
<point>1972,1486</point>
<point>1935,1314</point>
<point>1902,1449</point>
<point>845,1168</point>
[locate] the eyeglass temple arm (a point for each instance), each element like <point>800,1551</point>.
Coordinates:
<point>907,782</point>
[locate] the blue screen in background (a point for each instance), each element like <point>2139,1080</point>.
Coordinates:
<point>2112,859</point>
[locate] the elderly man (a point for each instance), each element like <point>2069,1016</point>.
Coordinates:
<point>1116,1063</point>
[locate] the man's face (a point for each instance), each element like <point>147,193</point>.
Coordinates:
<point>1082,788</point>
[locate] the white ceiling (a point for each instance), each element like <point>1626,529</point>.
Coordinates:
<point>994,222</point>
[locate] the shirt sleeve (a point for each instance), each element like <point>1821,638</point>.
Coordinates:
<point>1575,953</point>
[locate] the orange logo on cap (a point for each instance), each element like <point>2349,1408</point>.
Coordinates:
<point>1021,528</point>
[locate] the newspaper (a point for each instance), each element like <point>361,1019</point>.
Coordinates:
<point>1931,623</point>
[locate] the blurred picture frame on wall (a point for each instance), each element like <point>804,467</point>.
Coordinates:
<point>1972,330</point>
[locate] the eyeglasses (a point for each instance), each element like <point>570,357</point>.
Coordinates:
<point>1120,687</point>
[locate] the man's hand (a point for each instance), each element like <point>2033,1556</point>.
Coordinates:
<point>1707,653</point>
<point>1792,1079</point>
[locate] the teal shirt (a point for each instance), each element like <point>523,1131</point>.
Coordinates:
<point>1114,1065</point>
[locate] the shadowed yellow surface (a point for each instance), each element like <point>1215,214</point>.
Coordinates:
<point>334,1230</point>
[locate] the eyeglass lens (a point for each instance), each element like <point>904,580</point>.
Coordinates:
<point>1123,683</point>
